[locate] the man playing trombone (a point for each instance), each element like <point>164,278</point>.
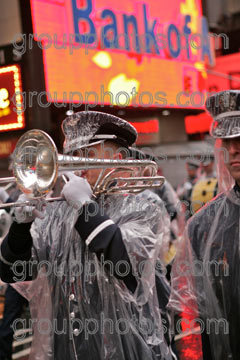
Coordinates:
<point>92,260</point>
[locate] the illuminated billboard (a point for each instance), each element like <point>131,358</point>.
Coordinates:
<point>11,114</point>
<point>148,131</point>
<point>225,75</point>
<point>126,53</point>
<point>7,147</point>
<point>198,123</point>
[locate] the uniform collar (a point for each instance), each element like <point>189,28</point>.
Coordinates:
<point>237,189</point>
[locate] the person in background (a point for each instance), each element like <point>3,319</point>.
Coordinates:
<point>207,168</point>
<point>206,188</point>
<point>166,192</point>
<point>184,191</point>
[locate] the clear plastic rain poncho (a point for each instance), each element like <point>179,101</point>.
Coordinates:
<point>206,271</point>
<point>78,310</point>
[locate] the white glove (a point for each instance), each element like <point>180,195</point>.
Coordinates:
<point>3,195</point>
<point>187,186</point>
<point>26,214</point>
<point>76,191</point>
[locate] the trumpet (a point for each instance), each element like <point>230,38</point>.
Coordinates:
<point>37,165</point>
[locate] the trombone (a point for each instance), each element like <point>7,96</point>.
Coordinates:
<point>37,164</point>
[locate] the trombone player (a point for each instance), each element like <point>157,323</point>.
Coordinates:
<point>92,264</point>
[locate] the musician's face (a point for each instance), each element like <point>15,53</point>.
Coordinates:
<point>99,151</point>
<point>233,163</point>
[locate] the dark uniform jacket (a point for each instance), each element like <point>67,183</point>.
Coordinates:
<point>214,234</point>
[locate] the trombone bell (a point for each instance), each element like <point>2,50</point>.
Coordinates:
<point>35,163</point>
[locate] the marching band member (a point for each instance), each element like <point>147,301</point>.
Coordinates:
<point>206,273</point>
<point>92,261</point>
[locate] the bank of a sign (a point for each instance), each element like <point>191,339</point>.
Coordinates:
<point>128,50</point>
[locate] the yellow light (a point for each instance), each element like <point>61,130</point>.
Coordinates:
<point>19,101</point>
<point>6,111</point>
<point>201,67</point>
<point>121,83</point>
<point>190,8</point>
<point>4,102</point>
<point>102,59</point>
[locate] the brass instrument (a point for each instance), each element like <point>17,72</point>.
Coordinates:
<point>37,164</point>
